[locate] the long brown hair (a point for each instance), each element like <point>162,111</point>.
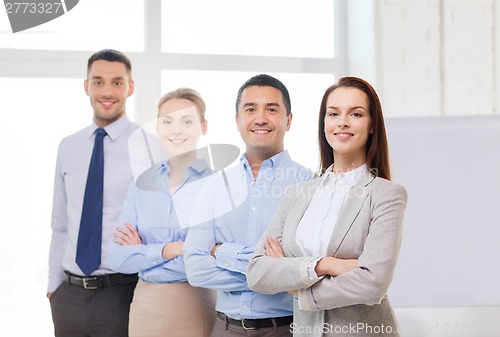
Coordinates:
<point>377,149</point>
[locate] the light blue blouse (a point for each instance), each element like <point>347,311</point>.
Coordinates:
<point>157,215</point>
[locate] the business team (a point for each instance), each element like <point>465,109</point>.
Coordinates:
<point>278,252</point>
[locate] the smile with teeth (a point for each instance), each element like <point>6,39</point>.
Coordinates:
<point>261,131</point>
<point>177,141</point>
<point>107,103</point>
<point>343,136</point>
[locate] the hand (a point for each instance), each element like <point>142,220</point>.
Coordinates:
<point>49,295</point>
<point>127,236</point>
<point>293,292</point>
<point>172,250</point>
<point>214,249</point>
<point>273,248</point>
<point>333,266</point>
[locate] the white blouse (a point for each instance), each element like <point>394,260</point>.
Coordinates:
<point>315,229</point>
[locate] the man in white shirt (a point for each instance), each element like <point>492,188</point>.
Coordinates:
<point>89,299</point>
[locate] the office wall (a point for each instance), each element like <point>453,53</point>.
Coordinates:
<point>450,166</point>
<point>438,57</point>
<point>447,279</point>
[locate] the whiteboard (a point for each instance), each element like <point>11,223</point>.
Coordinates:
<point>450,254</point>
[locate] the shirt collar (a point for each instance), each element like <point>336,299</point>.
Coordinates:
<point>281,159</point>
<point>114,130</point>
<point>197,167</point>
<point>349,178</point>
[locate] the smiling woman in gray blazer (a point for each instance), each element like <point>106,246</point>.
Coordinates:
<point>334,240</point>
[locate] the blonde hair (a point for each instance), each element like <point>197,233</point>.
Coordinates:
<point>188,94</point>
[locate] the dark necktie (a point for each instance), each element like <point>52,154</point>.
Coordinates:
<point>88,252</point>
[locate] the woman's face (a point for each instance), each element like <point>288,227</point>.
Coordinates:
<point>348,122</point>
<point>179,126</point>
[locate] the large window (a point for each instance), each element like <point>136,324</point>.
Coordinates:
<point>282,28</point>
<point>91,25</point>
<point>211,46</point>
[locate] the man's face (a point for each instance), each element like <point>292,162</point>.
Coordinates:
<point>108,85</point>
<point>262,120</point>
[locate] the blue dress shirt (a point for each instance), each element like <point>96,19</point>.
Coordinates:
<point>235,210</point>
<point>158,217</point>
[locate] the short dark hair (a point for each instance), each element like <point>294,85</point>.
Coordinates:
<point>110,55</point>
<point>263,80</point>
<point>377,149</point>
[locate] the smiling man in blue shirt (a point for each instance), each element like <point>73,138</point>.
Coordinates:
<point>236,208</point>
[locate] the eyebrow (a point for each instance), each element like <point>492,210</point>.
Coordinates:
<point>351,108</point>
<point>185,116</point>
<point>97,77</point>
<point>267,104</point>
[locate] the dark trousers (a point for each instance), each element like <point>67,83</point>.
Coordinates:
<point>78,312</point>
<point>223,329</point>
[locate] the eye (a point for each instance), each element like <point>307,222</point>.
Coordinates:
<point>273,110</point>
<point>357,114</point>
<point>97,82</point>
<point>249,109</point>
<point>332,113</point>
<point>118,83</point>
<point>188,122</point>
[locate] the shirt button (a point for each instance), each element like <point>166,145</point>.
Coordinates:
<point>251,234</point>
<point>245,307</point>
<point>254,208</point>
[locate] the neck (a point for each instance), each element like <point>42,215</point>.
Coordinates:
<point>255,160</point>
<point>346,163</point>
<point>179,163</point>
<point>105,122</point>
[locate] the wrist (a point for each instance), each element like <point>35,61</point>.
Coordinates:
<point>215,249</point>
<point>323,266</point>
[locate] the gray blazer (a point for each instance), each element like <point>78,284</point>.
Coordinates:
<point>369,228</point>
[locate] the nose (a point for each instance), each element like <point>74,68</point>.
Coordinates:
<point>343,122</point>
<point>261,117</point>
<point>176,129</point>
<point>107,90</point>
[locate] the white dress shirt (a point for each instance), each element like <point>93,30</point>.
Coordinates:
<point>315,229</point>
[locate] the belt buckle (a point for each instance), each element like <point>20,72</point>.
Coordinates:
<point>87,286</point>
<point>246,327</point>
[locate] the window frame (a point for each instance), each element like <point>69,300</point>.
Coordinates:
<point>148,64</point>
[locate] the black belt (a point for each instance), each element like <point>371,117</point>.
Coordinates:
<point>99,281</point>
<point>251,324</point>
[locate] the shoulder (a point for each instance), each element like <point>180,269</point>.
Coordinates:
<point>74,139</point>
<point>132,126</point>
<point>387,189</point>
<point>303,189</point>
<point>293,172</point>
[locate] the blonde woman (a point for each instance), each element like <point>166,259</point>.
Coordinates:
<point>150,237</point>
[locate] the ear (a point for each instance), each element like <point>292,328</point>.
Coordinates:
<point>289,121</point>
<point>237,124</point>
<point>131,87</point>
<point>86,86</point>
<point>204,127</point>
